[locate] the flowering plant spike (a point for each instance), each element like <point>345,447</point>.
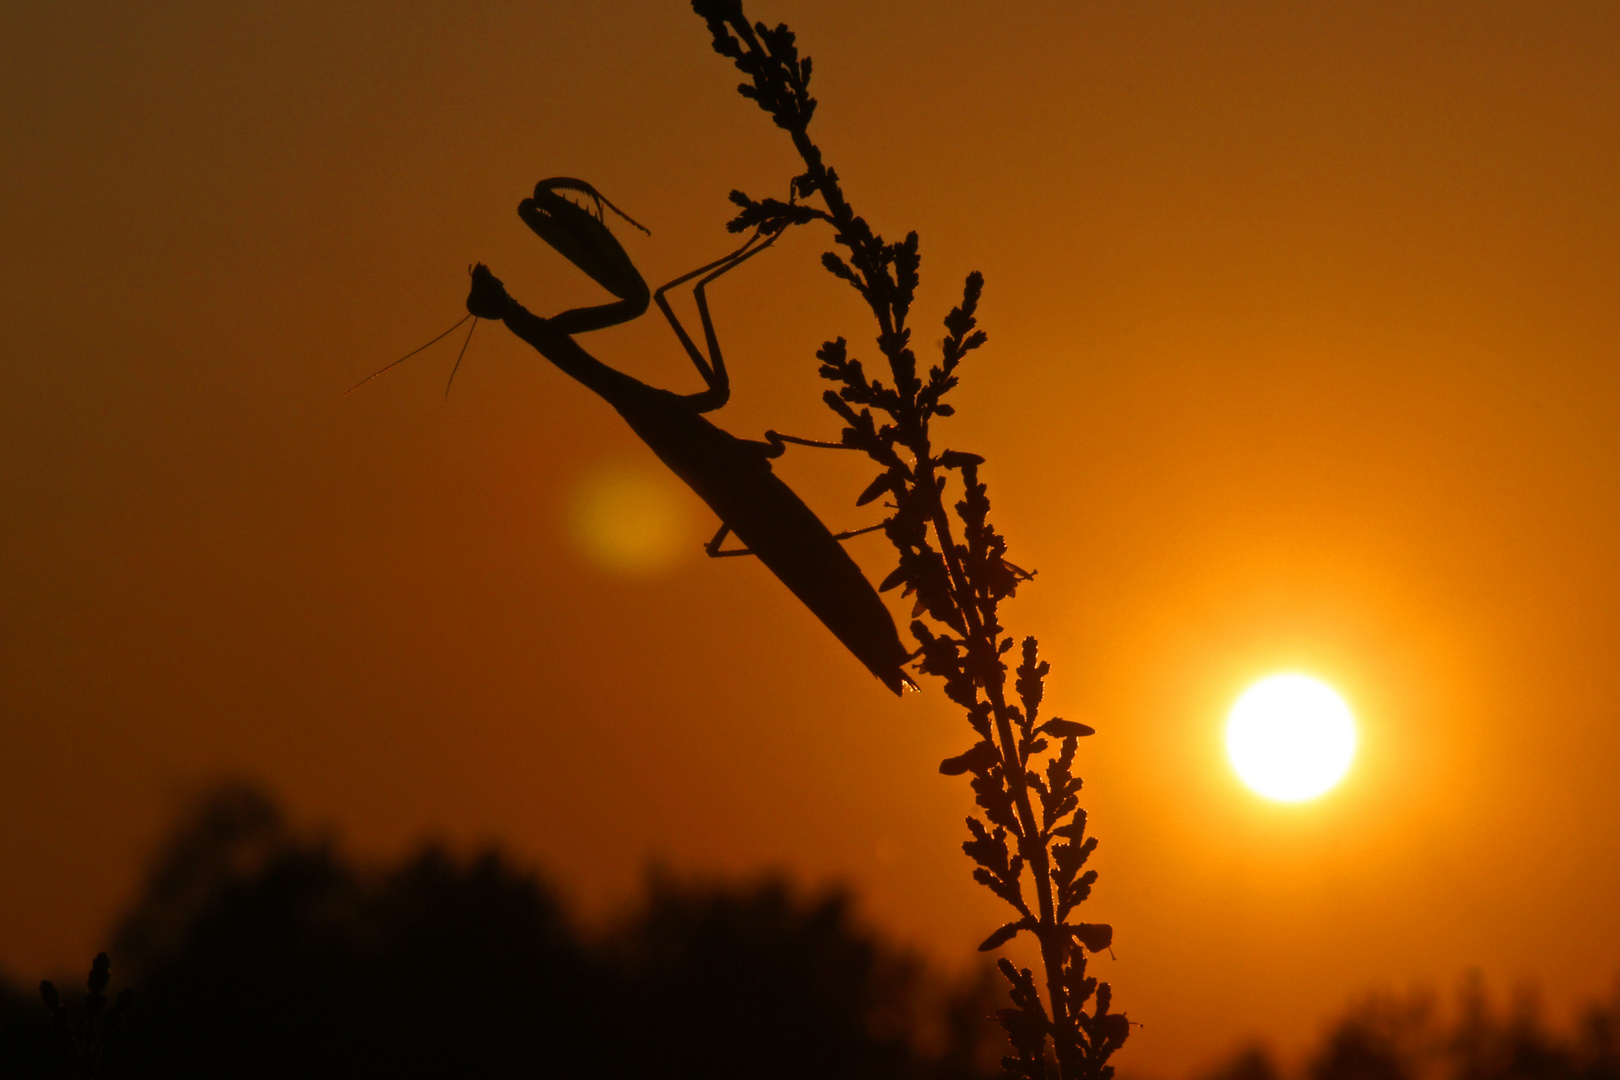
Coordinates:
<point>1028,842</point>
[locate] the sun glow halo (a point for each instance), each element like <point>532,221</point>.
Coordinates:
<point>1290,737</point>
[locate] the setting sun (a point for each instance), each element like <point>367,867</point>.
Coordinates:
<point>1290,737</point>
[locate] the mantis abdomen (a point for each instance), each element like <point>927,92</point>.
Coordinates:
<point>734,478</point>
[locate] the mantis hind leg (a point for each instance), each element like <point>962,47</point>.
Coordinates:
<point>713,550</point>
<point>777,443</point>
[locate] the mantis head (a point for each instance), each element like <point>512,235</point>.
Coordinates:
<point>579,233</point>
<point>487,298</point>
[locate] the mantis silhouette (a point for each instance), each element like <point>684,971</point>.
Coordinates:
<point>732,475</point>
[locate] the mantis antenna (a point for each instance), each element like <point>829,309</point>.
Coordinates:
<point>418,349</point>
<point>459,355</point>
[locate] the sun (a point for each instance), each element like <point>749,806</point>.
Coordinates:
<point>1290,737</point>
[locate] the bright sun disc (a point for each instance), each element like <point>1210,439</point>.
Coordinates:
<point>1290,737</point>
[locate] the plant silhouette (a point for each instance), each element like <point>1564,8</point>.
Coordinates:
<point>83,1027</point>
<point>1030,847</point>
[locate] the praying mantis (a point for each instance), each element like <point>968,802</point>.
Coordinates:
<point>733,476</point>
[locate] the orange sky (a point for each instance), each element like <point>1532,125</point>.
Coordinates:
<point>1304,325</point>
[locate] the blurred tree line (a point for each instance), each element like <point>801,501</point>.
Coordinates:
<point>258,951</point>
<point>1390,1037</point>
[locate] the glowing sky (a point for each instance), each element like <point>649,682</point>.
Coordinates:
<point>1305,355</point>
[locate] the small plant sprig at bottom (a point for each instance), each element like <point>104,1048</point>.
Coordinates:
<point>1031,845</point>
<point>83,1028</point>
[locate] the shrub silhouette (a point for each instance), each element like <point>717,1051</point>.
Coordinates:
<point>1385,1037</point>
<point>784,985</point>
<point>295,963</point>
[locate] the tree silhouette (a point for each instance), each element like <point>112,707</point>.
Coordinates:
<point>261,951</point>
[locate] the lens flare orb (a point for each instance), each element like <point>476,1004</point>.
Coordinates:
<point>1290,738</point>
<point>631,521</point>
